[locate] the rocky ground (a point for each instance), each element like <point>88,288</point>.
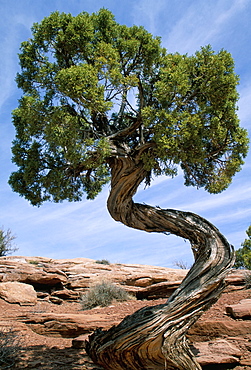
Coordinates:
<point>53,326</point>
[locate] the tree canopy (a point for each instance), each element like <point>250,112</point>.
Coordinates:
<point>94,89</point>
<point>243,255</point>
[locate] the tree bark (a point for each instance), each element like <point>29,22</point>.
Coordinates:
<point>155,337</point>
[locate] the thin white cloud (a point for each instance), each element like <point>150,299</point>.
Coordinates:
<point>202,23</point>
<point>244,104</point>
<point>147,12</point>
<point>15,25</point>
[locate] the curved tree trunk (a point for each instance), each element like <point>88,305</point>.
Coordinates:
<point>155,337</point>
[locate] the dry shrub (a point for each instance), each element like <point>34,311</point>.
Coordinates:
<point>247,278</point>
<point>103,295</point>
<point>10,346</point>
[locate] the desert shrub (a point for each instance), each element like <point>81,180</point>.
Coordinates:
<point>33,262</point>
<point>6,242</point>
<point>103,262</point>
<point>182,265</point>
<point>10,345</point>
<point>248,280</point>
<point>103,295</point>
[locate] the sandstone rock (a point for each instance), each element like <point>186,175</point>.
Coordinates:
<point>204,330</point>
<point>56,300</point>
<point>66,294</point>
<point>42,295</point>
<point>246,361</point>
<point>67,279</point>
<point>79,342</point>
<point>67,325</point>
<point>216,352</point>
<point>78,282</point>
<point>236,277</point>
<point>242,310</point>
<point>145,281</point>
<point>160,290</point>
<point>30,273</point>
<point>80,273</point>
<point>14,292</point>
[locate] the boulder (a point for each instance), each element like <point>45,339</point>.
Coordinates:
<point>216,352</point>
<point>204,330</point>
<point>31,272</point>
<point>14,292</point>
<point>66,294</point>
<point>159,290</point>
<point>236,277</point>
<point>80,341</point>
<point>67,325</point>
<point>242,310</point>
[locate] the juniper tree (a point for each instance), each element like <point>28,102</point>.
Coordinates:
<point>243,254</point>
<point>103,102</point>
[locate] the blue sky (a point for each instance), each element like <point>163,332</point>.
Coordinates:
<point>85,229</point>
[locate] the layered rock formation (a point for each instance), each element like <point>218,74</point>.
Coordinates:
<point>29,280</point>
<point>68,279</point>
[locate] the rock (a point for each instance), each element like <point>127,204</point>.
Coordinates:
<point>42,295</point>
<point>145,281</point>
<point>67,325</point>
<point>156,291</point>
<point>14,292</point>
<point>245,361</point>
<point>78,274</point>
<point>242,310</point>
<point>204,330</point>
<point>56,300</point>
<point>82,275</point>
<point>216,352</point>
<point>66,294</point>
<point>236,277</point>
<point>79,342</point>
<point>30,273</point>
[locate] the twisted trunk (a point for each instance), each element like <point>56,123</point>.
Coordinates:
<point>155,337</point>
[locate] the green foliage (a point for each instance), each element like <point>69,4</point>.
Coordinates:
<point>6,242</point>
<point>243,255</point>
<point>33,262</point>
<point>103,295</point>
<point>103,262</point>
<point>92,86</point>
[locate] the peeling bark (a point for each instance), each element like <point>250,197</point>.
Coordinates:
<point>155,337</point>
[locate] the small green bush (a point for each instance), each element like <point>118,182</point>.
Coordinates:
<point>10,345</point>
<point>103,295</point>
<point>103,262</point>
<point>33,262</point>
<point>243,255</point>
